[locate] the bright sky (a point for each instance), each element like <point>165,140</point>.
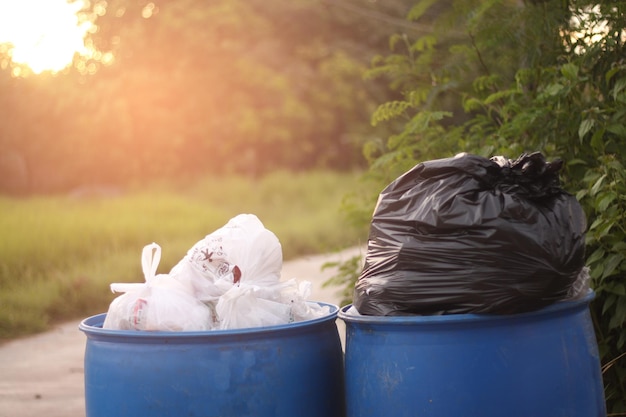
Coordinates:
<point>42,34</point>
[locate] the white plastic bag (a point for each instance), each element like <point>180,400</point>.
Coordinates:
<point>228,280</point>
<point>249,305</point>
<point>297,296</point>
<point>242,251</point>
<point>236,269</point>
<point>159,304</point>
<point>241,307</point>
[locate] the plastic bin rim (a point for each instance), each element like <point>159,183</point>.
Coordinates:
<point>555,308</point>
<point>92,325</point>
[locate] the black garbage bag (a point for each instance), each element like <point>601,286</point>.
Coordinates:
<point>472,235</point>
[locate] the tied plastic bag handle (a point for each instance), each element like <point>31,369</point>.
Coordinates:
<point>150,258</point>
<point>529,176</point>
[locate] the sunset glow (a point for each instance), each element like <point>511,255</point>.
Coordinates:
<point>43,35</point>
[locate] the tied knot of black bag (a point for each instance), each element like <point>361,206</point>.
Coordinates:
<point>529,176</point>
<point>472,235</point>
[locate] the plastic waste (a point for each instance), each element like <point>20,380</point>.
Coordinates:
<point>473,235</point>
<point>161,303</point>
<point>228,280</point>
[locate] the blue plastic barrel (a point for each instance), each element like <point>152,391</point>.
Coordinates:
<point>539,364</point>
<point>279,371</point>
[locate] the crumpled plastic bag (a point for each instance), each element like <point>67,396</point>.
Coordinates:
<point>242,251</point>
<point>159,304</point>
<point>236,270</point>
<point>250,305</point>
<point>473,235</point>
<point>242,307</point>
<point>228,280</point>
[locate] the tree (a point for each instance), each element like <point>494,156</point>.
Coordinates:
<point>189,87</point>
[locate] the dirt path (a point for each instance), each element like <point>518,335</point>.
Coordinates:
<point>42,375</point>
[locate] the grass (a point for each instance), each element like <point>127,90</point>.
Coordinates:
<point>59,254</point>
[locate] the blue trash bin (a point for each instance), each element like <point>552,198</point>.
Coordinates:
<point>279,371</point>
<point>539,364</point>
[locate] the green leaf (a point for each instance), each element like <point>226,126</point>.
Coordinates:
<point>619,247</point>
<point>596,272</point>
<point>394,39</point>
<point>419,9</point>
<point>553,89</point>
<point>570,71</point>
<point>610,300</point>
<point>576,161</point>
<point>597,185</point>
<point>605,200</point>
<point>604,229</point>
<point>611,264</point>
<point>610,73</point>
<point>618,87</point>
<point>424,43</point>
<point>597,140</point>
<point>617,129</point>
<point>619,317</point>
<point>386,159</point>
<point>618,289</point>
<point>620,341</point>
<point>389,110</point>
<point>416,97</point>
<point>472,104</point>
<point>595,256</point>
<point>596,223</point>
<point>486,82</point>
<point>498,96</point>
<point>616,165</point>
<point>591,176</point>
<point>398,142</point>
<point>584,128</point>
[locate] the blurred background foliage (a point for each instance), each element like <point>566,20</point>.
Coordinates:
<point>187,88</point>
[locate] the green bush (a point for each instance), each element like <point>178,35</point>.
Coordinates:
<point>502,78</point>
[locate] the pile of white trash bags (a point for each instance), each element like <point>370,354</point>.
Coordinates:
<point>228,280</point>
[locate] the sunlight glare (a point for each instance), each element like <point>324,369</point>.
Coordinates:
<point>43,35</point>
<point>589,29</point>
